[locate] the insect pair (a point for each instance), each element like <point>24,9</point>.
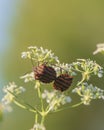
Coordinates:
<point>47,74</point>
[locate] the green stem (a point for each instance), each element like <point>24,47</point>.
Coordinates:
<point>24,107</point>
<point>42,120</point>
<point>21,103</point>
<point>36,119</point>
<point>73,106</point>
<point>42,113</point>
<point>76,105</point>
<point>32,62</point>
<point>40,95</point>
<point>83,78</point>
<point>77,69</point>
<point>48,109</point>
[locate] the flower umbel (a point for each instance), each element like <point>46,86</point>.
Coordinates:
<point>87,68</point>
<point>9,97</point>
<point>89,92</point>
<point>55,99</point>
<point>40,55</point>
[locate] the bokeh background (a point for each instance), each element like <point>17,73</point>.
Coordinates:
<point>71,28</point>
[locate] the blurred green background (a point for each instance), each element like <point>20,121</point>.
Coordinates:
<point>71,28</point>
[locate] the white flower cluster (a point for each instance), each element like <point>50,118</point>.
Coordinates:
<point>40,55</point>
<point>87,67</point>
<point>88,92</point>
<point>28,77</point>
<point>100,48</point>
<point>10,91</point>
<point>84,66</point>
<point>55,99</point>
<point>64,68</point>
<point>38,126</point>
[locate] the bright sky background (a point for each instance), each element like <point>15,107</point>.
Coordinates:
<point>9,9</point>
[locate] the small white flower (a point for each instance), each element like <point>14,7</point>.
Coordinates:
<point>102,97</point>
<point>11,87</point>
<point>24,55</point>
<point>38,127</point>
<point>100,48</point>
<point>21,89</point>
<point>48,95</point>
<point>63,68</point>
<point>68,99</point>
<point>32,47</point>
<point>6,107</point>
<point>100,74</point>
<point>28,77</point>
